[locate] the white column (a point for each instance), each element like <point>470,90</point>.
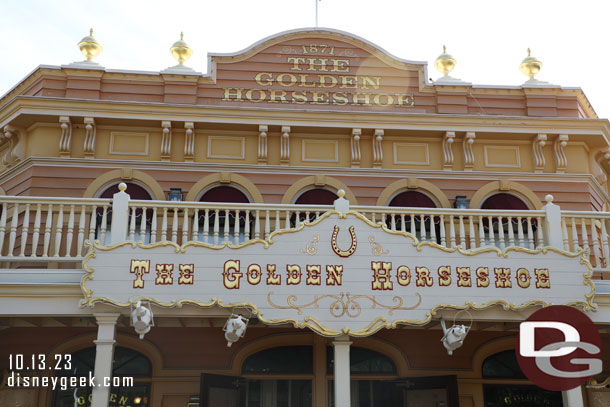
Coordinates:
<point>104,354</point>
<point>553,235</point>
<point>120,215</point>
<point>572,398</point>
<point>342,371</point>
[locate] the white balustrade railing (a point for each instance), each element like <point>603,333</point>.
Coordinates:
<point>588,231</point>
<point>50,229</point>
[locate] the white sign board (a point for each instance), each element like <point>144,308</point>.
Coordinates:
<point>341,274</point>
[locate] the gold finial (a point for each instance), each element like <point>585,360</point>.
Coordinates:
<point>180,50</point>
<point>90,47</point>
<point>530,65</point>
<point>445,62</point>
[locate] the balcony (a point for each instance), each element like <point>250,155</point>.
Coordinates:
<point>50,233</point>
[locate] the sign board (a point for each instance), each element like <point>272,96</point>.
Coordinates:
<point>339,274</point>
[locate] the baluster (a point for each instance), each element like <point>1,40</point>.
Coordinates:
<point>104,225</point>
<point>195,231</point>
<point>306,216</point>
<point>564,233</point>
<point>451,232</point>
<point>36,234</point>
<point>81,233</point>
<point>216,226</point>
<point>226,225</point>
<point>413,231</point>
<point>185,226</point>
<point>383,219</point>
<point>540,239</point>
<point>584,235</point>
<point>268,224</point>
<point>153,226</point>
<point>443,236</point>
<point>392,222</point>
<point>206,225</point>
<point>422,228</point>
<point>2,226</point>
<point>373,217</point>
<point>164,226</point>
<point>605,245</point>
<point>25,228</point>
<point>530,234</point>
<point>59,227</point>
<point>432,229</point>
<point>257,224</point>
<point>247,226</point>
<point>492,238</point>
<point>236,228</point>
<point>511,232</point>
<point>175,226</point>
<point>501,242</point>
<point>70,234</point>
<point>481,232</point>
<point>298,221</point>
<point>132,225</point>
<point>13,231</point>
<point>403,226</point>
<point>277,220</point>
<point>92,224</point>
<point>594,237</point>
<point>143,226</point>
<point>462,232</point>
<point>47,232</point>
<point>317,214</point>
<point>473,240</point>
<point>287,220</point>
<point>520,239</point>
<point>575,243</point>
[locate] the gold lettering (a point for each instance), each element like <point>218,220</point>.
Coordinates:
<point>404,99</point>
<point>313,274</point>
<point>543,280</point>
<point>277,94</point>
<point>444,276</point>
<point>294,274</point>
<point>259,78</point>
<point>482,277</point>
<point>303,82</point>
<point>423,277</point>
<point>334,275</point>
<point>381,279</point>
<point>319,98</point>
<point>340,65</point>
<point>262,95</point>
<point>186,275</point>
<point>348,82</point>
<point>292,80</point>
<point>139,267</point>
<point>389,100</point>
<point>365,102</point>
<point>523,277</point>
<point>254,274</point>
<point>272,278</point>
<point>296,61</point>
<point>299,97</point>
<point>231,274</point>
<point>339,98</point>
<point>331,79</point>
<point>164,274</point>
<point>233,94</point>
<point>464,278</point>
<point>317,66</point>
<point>403,275</point>
<point>502,277</point>
<point>374,81</point>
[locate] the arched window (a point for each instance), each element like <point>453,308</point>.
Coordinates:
<point>363,361</point>
<point>135,191</point>
<point>222,224</point>
<point>127,364</point>
<point>280,360</point>
<point>508,202</point>
<point>316,196</point>
<point>413,224</point>
<point>504,366</point>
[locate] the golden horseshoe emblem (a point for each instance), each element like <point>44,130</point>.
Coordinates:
<point>352,248</point>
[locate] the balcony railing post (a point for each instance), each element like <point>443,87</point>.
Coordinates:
<point>341,204</point>
<point>120,215</point>
<point>552,224</point>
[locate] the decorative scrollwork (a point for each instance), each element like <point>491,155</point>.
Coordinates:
<point>344,304</point>
<point>352,248</point>
<point>376,248</point>
<point>312,247</point>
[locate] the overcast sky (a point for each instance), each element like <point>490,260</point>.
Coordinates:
<point>489,38</point>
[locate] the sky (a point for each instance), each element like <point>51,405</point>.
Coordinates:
<point>488,38</point>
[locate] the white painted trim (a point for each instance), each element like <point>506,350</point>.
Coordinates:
<point>243,147</point>
<point>396,161</point>
<point>336,148</point>
<point>111,150</point>
<point>514,148</point>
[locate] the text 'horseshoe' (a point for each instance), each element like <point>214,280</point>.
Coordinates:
<point>352,248</point>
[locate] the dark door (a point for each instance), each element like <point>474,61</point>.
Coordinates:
<point>432,391</point>
<point>222,391</point>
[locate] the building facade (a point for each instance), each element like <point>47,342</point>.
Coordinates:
<point>320,190</point>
